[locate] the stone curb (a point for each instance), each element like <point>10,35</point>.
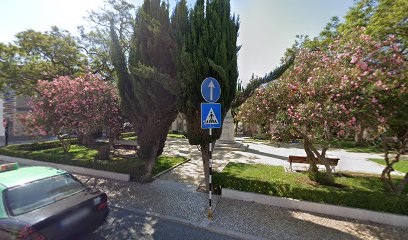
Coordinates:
<point>202,226</point>
<point>69,168</point>
<point>168,170</point>
<point>333,210</point>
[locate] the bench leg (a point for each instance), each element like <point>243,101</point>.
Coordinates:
<point>290,166</point>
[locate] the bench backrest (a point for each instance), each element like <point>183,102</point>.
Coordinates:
<point>125,142</point>
<point>302,159</point>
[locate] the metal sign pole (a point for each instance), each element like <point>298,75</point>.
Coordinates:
<point>210,118</point>
<point>210,211</point>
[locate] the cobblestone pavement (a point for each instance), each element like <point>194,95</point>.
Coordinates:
<point>192,172</point>
<point>279,223</point>
<point>183,201</point>
<point>163,197</point>
<point>123,225</point>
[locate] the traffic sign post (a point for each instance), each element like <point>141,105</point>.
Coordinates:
<point>210,90</point>
<point>210,118</point>
<point>210,115</point>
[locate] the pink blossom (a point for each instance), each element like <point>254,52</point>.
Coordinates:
<point>354,59</point>
<point>362,65</point>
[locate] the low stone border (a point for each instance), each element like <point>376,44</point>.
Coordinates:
<point>69,168</point>
<point>169,169</point>
<point>339,211</point>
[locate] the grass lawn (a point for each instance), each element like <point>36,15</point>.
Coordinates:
<point>352,147</point>
<point>132,136</point>
<point>173,135</point>
<point>401,166</point>
<point>129,138</point>
<point>165,162</point>
<point>250,140</point>
<point>84,157</point>
<point>352,190</point>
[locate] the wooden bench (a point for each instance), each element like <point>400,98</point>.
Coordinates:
<point>301,159</point>
<point>124,144</point>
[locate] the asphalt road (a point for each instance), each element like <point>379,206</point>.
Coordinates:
<point>124,224</point>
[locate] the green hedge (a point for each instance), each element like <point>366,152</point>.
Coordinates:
<point>39,145</point>
<point>377,201</point>
<point>262,136</point>
<point>127,135</point>
<point>83,157</point>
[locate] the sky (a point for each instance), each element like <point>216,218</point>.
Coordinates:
<point>267,28</point>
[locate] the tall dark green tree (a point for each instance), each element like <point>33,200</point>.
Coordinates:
<point>209,50</point>
<point>147,80</point>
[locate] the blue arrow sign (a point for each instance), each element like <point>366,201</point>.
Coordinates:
<point>210,115</point>
<point>210,90</point>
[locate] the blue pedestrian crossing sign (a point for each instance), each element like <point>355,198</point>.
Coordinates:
<point>210,115</point>
<point>210,90</point>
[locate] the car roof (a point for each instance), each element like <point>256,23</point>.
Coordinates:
<point>25,175</point>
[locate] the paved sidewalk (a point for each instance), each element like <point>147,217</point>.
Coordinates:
<point>279,223</point>
<point>349,161</point>
<point>182,201</point>
<point>192,172</point>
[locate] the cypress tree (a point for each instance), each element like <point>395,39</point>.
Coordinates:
<point>209,50</point>
<point>147,80</point>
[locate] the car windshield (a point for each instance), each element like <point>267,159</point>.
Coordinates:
<point>36,194</point>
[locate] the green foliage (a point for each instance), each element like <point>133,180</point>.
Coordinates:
<point>381,18</point>
<point>147,78</point>
<point>83,157</point>
<point>360,191</point>
<point>36,146</point>
<point>352,146</point>
<point>245,93</point>
<point>95,36</point>
<point>164,162</point>
<point>173,135</point>
<point>39,56</point>
<point>132,136</point>
<point>127,135</point>
<point>209,50</point>
<point>262,136</point>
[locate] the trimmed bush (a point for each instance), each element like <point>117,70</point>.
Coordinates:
<point>127,135</point>
<point>291,185</point>
<point>36,146</point>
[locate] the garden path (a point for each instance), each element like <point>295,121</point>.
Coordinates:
<point>192,171</point>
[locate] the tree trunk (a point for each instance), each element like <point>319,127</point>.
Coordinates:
<point>205,153</point>
<point>151,136</point>
<point>359,135</point>
<point>328,178</point>
<point>87,139</point>
<point>149,144</point>
<point>65,143</point>
<point>162,143</point>
<point>313,170</point>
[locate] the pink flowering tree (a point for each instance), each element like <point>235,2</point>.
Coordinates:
<point>327,93</point>
<point>381,98</point>
<point>75,106</point>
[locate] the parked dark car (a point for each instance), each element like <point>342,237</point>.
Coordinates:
<point>46,203</point>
